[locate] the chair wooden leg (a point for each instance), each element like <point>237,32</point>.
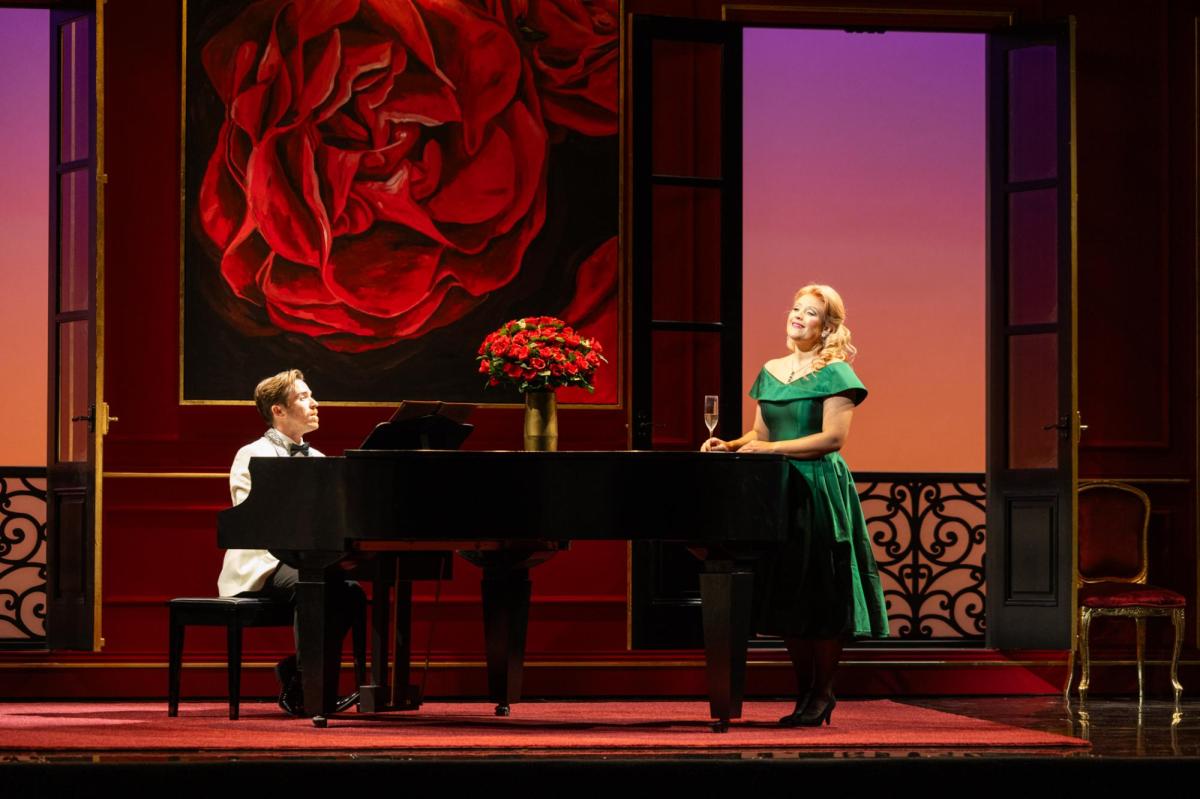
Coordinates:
<point>1071,666</point>
<point>1085,672</point>
<point>1177,618</point>
<point>233,636</point>
<point>174,663</point>
<point>1141,656</point>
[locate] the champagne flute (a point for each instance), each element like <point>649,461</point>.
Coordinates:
<point>711,412</point>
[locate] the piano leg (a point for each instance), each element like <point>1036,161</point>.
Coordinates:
<point>376,696</point>
<point>320,648</point>
<point>505,592</point>
<point>405,696</point>
<point>726,590</point>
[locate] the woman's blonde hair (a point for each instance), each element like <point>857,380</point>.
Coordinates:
<point>835,340</point>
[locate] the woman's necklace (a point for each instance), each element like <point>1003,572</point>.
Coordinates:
<point>800,369</point>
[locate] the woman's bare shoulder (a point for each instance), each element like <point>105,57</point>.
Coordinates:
<point>777,368</point>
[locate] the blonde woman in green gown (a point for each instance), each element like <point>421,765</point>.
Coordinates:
<point>822,588</point>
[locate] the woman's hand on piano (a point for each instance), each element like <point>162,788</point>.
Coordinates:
<point>715,445</point>
<point>757,446</point>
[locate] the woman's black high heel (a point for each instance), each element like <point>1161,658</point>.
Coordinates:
<point>803,719</point>
<point>797,711</point>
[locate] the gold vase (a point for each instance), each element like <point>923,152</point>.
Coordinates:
<point>541,421</point>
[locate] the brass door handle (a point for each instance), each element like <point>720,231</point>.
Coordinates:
<point>105,419</point>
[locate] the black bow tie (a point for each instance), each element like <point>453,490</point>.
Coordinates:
<point>294,448</point>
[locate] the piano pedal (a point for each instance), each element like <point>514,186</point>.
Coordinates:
<point>320,722</point>
<point>372,698</point>
<point>502,710</point>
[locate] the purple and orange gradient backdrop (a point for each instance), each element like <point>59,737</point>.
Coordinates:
<point>24,197</point>
<point>864,169</point>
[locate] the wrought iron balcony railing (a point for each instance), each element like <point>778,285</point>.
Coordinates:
<point>928,534</point>
<point>22,556</point>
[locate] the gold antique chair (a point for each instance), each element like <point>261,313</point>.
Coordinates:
<point>1111,575</point>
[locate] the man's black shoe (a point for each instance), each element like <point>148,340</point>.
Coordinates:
<point>346,702</point>
<point>291,699</point>
<point>291,691</point>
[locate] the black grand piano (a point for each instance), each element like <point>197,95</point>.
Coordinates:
<point>319,511</point>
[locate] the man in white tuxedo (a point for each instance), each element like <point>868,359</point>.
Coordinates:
<point>289,408</point>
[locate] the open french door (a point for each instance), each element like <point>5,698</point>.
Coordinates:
<point>687,276</point>
<point>76,420</point>
<point>1033,418</point>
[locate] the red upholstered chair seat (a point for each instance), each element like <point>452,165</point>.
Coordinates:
<point>1128,595</point>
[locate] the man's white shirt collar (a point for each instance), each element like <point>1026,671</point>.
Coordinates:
<point>280,440</point>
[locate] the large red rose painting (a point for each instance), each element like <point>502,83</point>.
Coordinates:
<point>372,185</point>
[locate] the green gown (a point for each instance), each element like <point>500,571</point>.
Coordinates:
<point>824,582</point>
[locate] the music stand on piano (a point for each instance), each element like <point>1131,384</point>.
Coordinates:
<point>423,425</point>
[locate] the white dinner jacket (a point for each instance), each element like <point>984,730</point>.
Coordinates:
<point>248,569</point>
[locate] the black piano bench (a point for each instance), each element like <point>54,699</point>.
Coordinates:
<point>232,613</point>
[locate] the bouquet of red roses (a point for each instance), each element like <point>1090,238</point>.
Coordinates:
<point>538,353</point>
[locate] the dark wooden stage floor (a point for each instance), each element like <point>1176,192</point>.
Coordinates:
<point>1116,728</point>
<point>1125,739</point>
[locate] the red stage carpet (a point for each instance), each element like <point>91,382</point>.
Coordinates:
<point>534,727</point>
